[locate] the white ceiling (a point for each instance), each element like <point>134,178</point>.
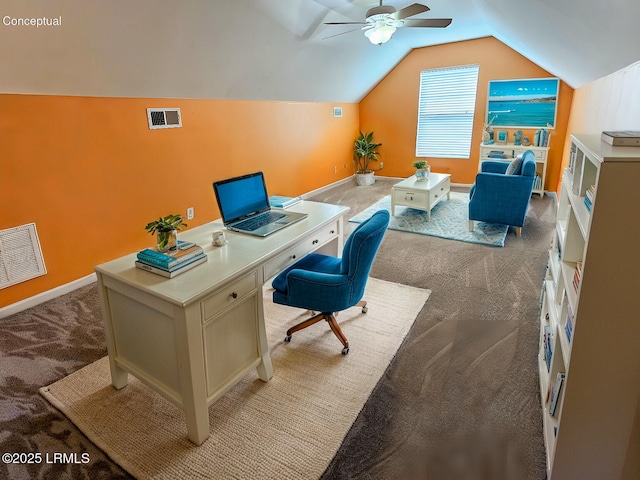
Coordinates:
<point>276,49</point>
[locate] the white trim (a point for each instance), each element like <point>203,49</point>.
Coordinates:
<point>326,187</point>
<point>46,296</point>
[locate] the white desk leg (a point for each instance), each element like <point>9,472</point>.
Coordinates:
<point>119,377</point>
<point>192,375</point>
<point>393,204</point>
<point>264,368</point>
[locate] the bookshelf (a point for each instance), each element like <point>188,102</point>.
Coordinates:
<point>591,307</point>
<point>510,151</point>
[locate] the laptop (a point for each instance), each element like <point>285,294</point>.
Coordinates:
<point>244,206</point>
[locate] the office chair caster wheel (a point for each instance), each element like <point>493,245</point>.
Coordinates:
<point>345,350</point>
<point>365,309</point>
<point>287,339</point>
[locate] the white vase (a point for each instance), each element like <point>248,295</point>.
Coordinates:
<point>363,179</point>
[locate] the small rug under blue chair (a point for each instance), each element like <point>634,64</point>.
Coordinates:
<point>449,219</point>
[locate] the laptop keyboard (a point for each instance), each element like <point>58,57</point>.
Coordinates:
<point>258,221</point>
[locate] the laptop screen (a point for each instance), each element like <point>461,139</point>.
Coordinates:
<point>241,196</point>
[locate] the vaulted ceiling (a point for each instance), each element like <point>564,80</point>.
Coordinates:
<point>278,50</point>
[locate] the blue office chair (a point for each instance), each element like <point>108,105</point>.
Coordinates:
<point>328,284</point>
<point>502,192</point>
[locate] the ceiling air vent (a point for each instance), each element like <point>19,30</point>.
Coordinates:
<point>164,118</point>
<point>20,255</point>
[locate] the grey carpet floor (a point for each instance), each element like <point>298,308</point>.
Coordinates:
<point>459,401</point>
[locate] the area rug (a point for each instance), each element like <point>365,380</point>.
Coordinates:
<point>287,428</point>
<point>449,219</point>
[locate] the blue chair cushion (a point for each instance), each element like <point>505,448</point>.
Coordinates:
<point>314,262</point>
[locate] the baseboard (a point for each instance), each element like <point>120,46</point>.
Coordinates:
<point>46,296</point>
<point>327,187</point>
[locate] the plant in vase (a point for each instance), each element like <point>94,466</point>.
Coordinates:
<point>166,230</point>
<point>365,151</point>
<point>422,170</point>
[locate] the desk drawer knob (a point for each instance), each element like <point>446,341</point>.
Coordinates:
<point>332,232</point>
<point>314,242</point>
<point>234,295</point>
<point>293,257</point>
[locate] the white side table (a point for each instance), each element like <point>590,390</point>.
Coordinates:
<point>421,195</point>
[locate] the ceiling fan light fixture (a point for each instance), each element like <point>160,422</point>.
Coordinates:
<point>380,34</point>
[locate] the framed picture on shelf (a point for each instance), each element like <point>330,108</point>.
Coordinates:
<point>501,136</point>
<point>523,103</point>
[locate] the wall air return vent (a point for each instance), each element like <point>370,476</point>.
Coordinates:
<point>20,255</point>
<point>164,118</point>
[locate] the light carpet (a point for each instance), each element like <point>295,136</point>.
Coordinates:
<point>449,219</point>
<point>289,427</point>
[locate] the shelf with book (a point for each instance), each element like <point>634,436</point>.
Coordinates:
<point>588,308</point>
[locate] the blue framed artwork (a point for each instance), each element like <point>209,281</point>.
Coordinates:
<point>523,103</point>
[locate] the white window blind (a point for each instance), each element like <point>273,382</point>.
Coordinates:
<point>445,112</point>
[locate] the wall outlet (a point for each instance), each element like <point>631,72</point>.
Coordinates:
<point>190,213</point>
<point>381,165</point>
<point>335,169</point>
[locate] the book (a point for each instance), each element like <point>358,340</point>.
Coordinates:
<point>172,272</point>
<point>555,393</point>
<point>547,346</point>
<point>626,138</point>
<point>184,252</point>
<point>281,201</point>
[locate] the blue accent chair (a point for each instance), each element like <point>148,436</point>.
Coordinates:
<point>329,284</point>
<point>501,197</point>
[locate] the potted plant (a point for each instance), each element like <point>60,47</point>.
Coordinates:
<point>422,170</point>
<point>167,231</point>
<point>365,151</point>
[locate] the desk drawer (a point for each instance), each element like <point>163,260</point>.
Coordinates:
<point>436,194</point>
<point>410,198</point>
<point>229,295</point>
<point>309,244</point>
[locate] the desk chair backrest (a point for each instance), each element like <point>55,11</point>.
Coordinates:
<point>360,250</point>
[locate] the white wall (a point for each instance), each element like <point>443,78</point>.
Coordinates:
<point>610,103</point>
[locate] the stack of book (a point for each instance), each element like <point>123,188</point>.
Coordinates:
<point>170,264</point>
<point>555,393</point>
<point>546,343</point>
<point>577,276</point>
<point>568,328</point>
<point>588,197</point>
<point>541,138</point>
<point>281,201</point>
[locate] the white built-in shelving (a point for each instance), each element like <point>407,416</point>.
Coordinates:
<point>595,429</point>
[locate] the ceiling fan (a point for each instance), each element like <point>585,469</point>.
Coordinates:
<point>382,21</point>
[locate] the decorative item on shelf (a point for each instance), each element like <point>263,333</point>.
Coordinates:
<point>517,137</point>
<point>364,149</point>
<point>166,230</point>
<point>501,136</point>
<point>422,170</point>
<point>487,132</point>
<point>526,141</point>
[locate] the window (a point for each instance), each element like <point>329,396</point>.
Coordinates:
<point>445,112</point>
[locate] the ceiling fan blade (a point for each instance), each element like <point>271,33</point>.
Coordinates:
<point>410,11</point>
<point>345,23</point>
<point>342,33</point>
<point>428,22</point>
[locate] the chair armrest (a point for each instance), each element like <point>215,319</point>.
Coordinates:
<point>490,166</point>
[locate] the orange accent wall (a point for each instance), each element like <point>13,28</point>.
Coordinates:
<point>90,173</point>
<point>391,108</point>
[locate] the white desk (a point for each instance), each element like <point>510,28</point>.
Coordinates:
<point>192,337</point>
